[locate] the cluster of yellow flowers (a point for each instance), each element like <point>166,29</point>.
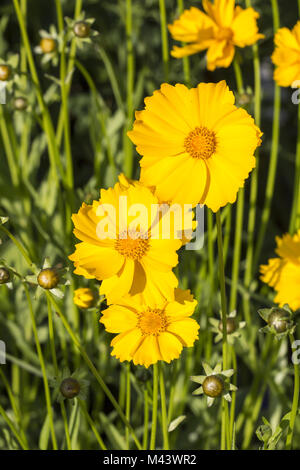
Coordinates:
<point>197,147</point>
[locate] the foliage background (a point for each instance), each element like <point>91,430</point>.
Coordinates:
<point>40,224</point>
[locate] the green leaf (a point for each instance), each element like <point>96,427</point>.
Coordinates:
<point>175,423</point>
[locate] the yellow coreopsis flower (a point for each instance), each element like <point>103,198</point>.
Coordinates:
<point>197,146</point>
<point>84,297</point>
<point>146,334</point>
<point>118,246</point>
<point>286,56</point>
<point>283,273</point>
<point>219,30</point>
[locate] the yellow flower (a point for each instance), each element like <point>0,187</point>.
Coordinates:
<point>286,56</point>
<point>120,247</point>
<point>219,30</point>
<point>283,273</point>
<point>84,297</point>
<point>146,334</point>
<point>197,146</point>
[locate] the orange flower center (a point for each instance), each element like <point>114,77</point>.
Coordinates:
<point>152,322</point>
<point>224,34</point>
<point>132,245</point>
<point>201,143</point>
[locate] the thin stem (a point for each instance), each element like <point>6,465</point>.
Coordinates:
<point>20,247</point>
<point>163,408</point>
<point>47,123</point>
<point>295,217</point>
<point>154,407</point>
<point>225,420</point>
<point>254,180</point>
<point>8,149</point>
<point>13,429</point>
<point>92,424</point>
<point>128,401</point>
<point>128,162</point>
<point>43,368</point>
<point>146,419</point>
<point>186,60</point>
<point>93,369</point>
<point>54,360</point>
<point>164,38</point>
<point>239,215</point>
<point>274,155</point>
<point>289,439</point>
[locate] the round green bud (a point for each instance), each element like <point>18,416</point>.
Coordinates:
<point>20,103</point>
<point>213,386</point>
<point>279,320</point>
<point>48,45</point>
<point>70,387</point>
<point>5,72</point>
<point>4,275</point>
<point>231,325</point>
<point>82,29</point>
<point>48,278</point>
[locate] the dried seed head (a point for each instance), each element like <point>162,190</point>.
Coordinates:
<point>20,103</point>
<point>70,387</point>
<point>231,325</point>
<point>82,29</point>
<point>48,45</point>
<point>5,72</point>
<point>213,386</point>
<point>48,278</point>
<point>4,275</point>
<point>279,320</point>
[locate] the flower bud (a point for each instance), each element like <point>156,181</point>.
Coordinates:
<point>82,29</point>
<point>279,320</point>
<point>84,297</point>
<point>5,72</point>
<point>213,386</point>
<point>70,387</point>
<point>48,278</point>
<point>231,325</point>
<point>20,103</point>
<point>47,45</point>
<point>4,275</point>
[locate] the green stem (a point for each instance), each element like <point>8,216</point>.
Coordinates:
<point>13,429</point>
<point>47,123</point>
<point>164,38</point>
<point>128,147</point>
<point>225,420</point>
<point>289,439</point>
<point>239,215</point>
<point>54,360</point>
<point>273,157</point>
<point>154,407</point>
<point>254,181</point>
<point>8,150</point>
<point>186,60</point>
<point>146,419</point>
<point>92,424</point>
<point>93,369</point>
<point>163,408</point>
<point>128,401</point>
<point>295,217</point>
<point>43,368</point>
